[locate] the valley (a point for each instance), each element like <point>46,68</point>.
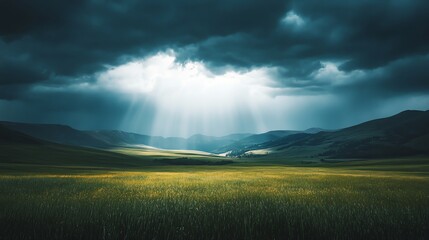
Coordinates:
<point>275,185</point>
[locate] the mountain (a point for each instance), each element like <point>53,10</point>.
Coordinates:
<point>253,141</point>
<point>406,133</point>
<point>56,133</point>
<point>66,135</point>
<point>118,138</point>
<point>10,137</point>
<point>209,143</point>
<point>19,148</point>
<point>195,142</point>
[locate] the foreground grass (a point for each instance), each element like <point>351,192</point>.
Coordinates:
<point>215,202</point>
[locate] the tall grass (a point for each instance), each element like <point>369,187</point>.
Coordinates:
<point>222,202</point>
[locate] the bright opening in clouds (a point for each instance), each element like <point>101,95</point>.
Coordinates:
<point>182,67</point>
<point>293,19</point>
<point>188,98</point>
<point>161,74</point>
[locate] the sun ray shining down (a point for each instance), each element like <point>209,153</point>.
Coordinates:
<point>218,119</point>
<point>188,98</point>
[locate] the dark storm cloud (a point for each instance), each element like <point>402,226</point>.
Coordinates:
<point>371,33</point>
<point>74,107</point>
<point>63,43</point>
<point>405,76</point>
<point>363,35</point>
<point>15,71</point>
<point>80,37</point>
<point>367,34</point>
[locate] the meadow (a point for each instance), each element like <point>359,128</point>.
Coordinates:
<point>238,201</point>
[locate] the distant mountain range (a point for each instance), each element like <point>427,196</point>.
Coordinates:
<point>9,136</point>
<point>253,141</point>
<point>66,135</point>
<point>406,133</point>
<point>56,133</point>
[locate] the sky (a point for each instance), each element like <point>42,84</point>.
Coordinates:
<point>214,67</point>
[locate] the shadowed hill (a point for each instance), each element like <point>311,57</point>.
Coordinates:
<point>252,141</point>
<point>118,138</point>
<point>66,135</point>
<point>210,144</point>
<point>406,133</point>
<point>195,142</point>
<point>19,148</point>
<point>61,134</point>
<point>8,137</point>
<point>60,155</point>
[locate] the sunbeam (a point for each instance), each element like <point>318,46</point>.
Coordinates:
<point>188,98</point>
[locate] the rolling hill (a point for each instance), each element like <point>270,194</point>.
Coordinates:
<point>253,141</point>
<point>19,148</point>
<point>404,134</point>
<point>105,139</point>
<point>210,144</point>
<point>56,133</point>
<point>196,142</point>
<point>11,137</point>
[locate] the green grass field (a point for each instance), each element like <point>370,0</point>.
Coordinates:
<point>385,199</point>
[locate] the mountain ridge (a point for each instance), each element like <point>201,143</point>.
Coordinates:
<point>405,133</point>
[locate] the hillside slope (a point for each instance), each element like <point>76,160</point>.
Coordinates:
<point>56,133</point>
<point>406,133</point>
<point>19,148</point>
<point>66,135</point>
<point>256,140</point>
<point>9,137</point>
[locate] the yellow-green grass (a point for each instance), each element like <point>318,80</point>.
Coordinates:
<point>35,158</point>
<point>162,153</point>
<point>173,157</point>
<point>215,202</point>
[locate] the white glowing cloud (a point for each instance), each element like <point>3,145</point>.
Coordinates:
<point>161,74</point>
<point>293,19</point>
<point>188,98</point>
<point>330,74</point>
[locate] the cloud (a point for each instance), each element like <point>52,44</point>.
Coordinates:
<point>293,19</point>
<point>402,77</point>
<point>329,53</point>
<point>81,36</point>
<point>188,97</point>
